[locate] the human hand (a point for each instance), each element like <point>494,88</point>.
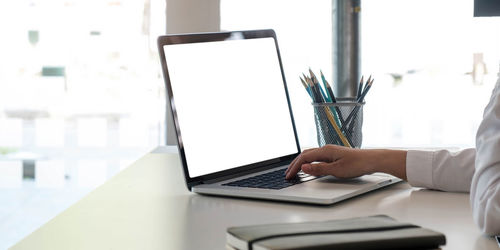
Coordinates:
<point>344,162</point>
<point>333,160</point>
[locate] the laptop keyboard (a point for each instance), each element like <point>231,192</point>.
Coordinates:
<point>271,180</point>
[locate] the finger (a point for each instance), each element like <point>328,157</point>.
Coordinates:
<point>318,154</point>
<point>336,169</point>
<point>294,167</point>
<point>319,169</point>
<point>295,160</point>
<point>323,154</point>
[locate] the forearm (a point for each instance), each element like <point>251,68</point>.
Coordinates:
<point>388,161</point>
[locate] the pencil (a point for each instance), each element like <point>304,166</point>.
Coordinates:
<point>337,129</point>
<point>361,98</point>
<point>326,86</point>
<point>311,88</point>
<point>365,91</point>
<point>356,109</point>
<point>354,113</point>
<point>308,83</point>
<point>332,95</point>
<point>369,79</point>
<point>337,115</point>
<point>316,82</point>
<point>360,87</point>
<point>333,119</point>
<point>318,98</point>
<point>315,93</point>
<point>330,92</point>
<point>305,86</point>
<point>333,100</point>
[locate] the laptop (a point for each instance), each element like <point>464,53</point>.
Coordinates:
<point>234,123</point>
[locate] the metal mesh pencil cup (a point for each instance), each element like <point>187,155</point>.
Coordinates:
<point>347,114</point>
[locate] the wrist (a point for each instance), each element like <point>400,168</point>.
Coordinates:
<point>389,161</point>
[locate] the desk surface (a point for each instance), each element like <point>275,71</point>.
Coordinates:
<point>147,206</point>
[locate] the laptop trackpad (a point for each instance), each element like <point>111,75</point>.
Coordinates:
<point>329,186</point>
<point>353,181</point>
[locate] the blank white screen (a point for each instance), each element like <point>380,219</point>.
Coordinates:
<point>231,104</point>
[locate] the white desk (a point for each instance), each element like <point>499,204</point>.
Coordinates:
<point>147,206</point>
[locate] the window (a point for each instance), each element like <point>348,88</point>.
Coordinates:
<point>434,64</point>
<point>304,32</point>
<point>81,96</point>
<point>435,67</point>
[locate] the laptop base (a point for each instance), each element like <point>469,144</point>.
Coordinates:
<point>325,190</point>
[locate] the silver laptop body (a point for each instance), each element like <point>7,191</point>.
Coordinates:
<point>233,118</point>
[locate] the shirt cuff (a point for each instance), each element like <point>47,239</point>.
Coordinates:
<point>419,168</point>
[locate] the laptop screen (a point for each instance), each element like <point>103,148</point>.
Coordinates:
<point>230,102</point>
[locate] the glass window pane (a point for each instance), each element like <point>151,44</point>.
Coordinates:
<point>70,72</point>
<point>304,31</point>
<point>435,66</point>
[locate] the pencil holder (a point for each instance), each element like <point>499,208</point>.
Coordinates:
<point>339,123</point>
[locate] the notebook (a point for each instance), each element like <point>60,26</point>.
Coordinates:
<point>233,120</point>
<point>372,232</point>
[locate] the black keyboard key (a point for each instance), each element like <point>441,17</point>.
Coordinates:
<point>271,180</point>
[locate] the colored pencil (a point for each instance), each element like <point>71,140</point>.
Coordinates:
<point>318,98</point>
<point>331,114</point>
<point>365,91</point>
<point>323,93</point>
<point>305,86</point>
<point>354,113</point>
<point>360,87</point>
<point>323,79</point>
<point>329,90</point>
<point>337,129</point>
<point>316,82</point>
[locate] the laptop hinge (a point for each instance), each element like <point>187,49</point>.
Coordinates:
<point>194,183</point>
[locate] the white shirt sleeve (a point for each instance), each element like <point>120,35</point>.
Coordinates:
<point>442,169</point>
<point>475,170</point>
<point>485,189</point>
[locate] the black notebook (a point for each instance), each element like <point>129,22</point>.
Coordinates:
<point>374,232</point>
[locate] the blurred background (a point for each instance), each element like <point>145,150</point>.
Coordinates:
<point>82,94</point>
